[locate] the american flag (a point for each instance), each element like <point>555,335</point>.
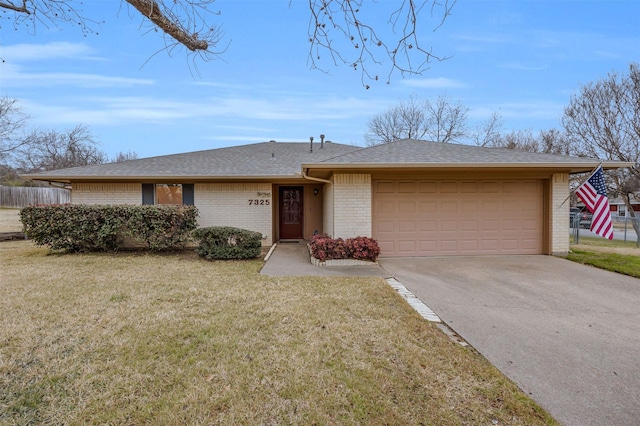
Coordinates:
<point>593,194</point>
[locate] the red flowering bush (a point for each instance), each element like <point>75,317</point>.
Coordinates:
<point>324,247</point>
<point>363,248</point>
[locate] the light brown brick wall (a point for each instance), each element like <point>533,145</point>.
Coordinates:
<point>228,204</point>
<point>559,217</point>
<point>327,209</point>
<point>106,193</point>
<point>351,205</point>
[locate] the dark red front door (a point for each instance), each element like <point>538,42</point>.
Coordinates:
<point>291,212</point>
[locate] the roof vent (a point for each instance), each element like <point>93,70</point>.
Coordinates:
<point>310,143</point>
<point>321,141</point>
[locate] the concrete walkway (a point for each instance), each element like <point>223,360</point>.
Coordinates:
<point>292,260</point>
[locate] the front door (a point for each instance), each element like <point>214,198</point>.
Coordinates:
<point>291,212</point>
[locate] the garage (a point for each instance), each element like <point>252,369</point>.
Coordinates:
<point>433,217</point>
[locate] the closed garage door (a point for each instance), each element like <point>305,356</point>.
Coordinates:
<point>440,218</point>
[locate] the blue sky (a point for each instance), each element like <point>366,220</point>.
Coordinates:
<point>523,59</point>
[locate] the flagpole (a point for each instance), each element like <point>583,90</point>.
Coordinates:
<point>592,173</point>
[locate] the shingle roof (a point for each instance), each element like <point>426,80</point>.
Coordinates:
<point>411,151</point>
<point>285,160</point>
<point>266,159</point>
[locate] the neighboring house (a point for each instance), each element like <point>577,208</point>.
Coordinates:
<point>416,198</point>
<point>619,208</point>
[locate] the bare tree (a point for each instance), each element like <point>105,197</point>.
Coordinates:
<point>12,121</point>
<point>603,121</point>
<point>186,23</point>
<point>50,150</point>
<point>124,156</point>
<point>349,32</point>
<point>520,140</point>
<point>438,121</point>
<point>354,22</point>
<point>488,133</point>
<point>554,141</point>
<point>546,141</point>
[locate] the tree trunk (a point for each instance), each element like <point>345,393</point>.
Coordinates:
<point>635,221</point>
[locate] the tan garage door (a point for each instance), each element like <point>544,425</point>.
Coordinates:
<point>437,218</point>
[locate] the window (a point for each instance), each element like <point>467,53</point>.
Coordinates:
<point>168,193</point>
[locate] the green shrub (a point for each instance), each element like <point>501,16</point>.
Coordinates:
<point>161,227</point>
<point>225,242</point>
<point>72,227</point>
<point>83,228</point>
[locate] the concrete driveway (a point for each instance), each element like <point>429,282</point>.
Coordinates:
<point>567,334</point>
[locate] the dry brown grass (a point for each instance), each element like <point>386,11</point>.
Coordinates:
<point>137,338</point>
<point>10,220</point>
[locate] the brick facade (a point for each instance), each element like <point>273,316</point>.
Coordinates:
<point>219,204</point>
<point>234,204</point>
<point>106,193</point>
<point>351,205</point>
<point>559,215</point>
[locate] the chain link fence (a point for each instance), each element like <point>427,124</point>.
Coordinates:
<point>623,228</point>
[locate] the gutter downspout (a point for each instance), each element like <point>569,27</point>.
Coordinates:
<point>315,179</point>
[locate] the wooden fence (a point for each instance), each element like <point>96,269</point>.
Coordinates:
<point>19,196</point>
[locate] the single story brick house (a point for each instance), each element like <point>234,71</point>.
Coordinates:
<point>416,198</point>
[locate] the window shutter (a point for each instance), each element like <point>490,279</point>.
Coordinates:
<point>188,194</point>
<point>147,193</point>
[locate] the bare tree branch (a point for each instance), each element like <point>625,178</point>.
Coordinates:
<point>603,121</point>
<point>12,120</point>
<point>439,121</point>
<point>335,24</point>
<point>16,8</point>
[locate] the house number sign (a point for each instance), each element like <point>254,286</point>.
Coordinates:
<point>261,201</point>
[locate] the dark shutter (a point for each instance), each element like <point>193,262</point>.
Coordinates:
<point>188,194</point>
<point>147,193</point>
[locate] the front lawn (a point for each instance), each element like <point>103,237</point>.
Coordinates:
<point>138,338</point>
<point>627,264</point>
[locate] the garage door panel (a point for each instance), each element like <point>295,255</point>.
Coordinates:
<point>385,187</point>
<point>428,206</point>
<point>407,207</point>
<point>448,225</point>
<point>469,245</point>
<point>425,217</point>
<point>427,187</point>
<point>469,225</point>
<point>407,187</point>
<point>406,247</point>
<point>427,226</point>
<point>469,187</point>
<point>510,225</point>
<point>489,245</point>
<point>428,247</point>
<point>385,226</point>
<point>449,188</point>
<point>449,246</point>
<point>407,226</point>
<point>509,244</point>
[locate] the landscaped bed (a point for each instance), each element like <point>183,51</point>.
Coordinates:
<point>133,338</point>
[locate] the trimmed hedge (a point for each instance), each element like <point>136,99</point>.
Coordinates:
<point>226,242</point>
<point>84,228</point>
<point>324,247</point>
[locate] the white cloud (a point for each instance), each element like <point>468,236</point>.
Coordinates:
<point>434,83</point>
<point>15,76</point>
<point>522,67</point>
<point>37,52</point>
